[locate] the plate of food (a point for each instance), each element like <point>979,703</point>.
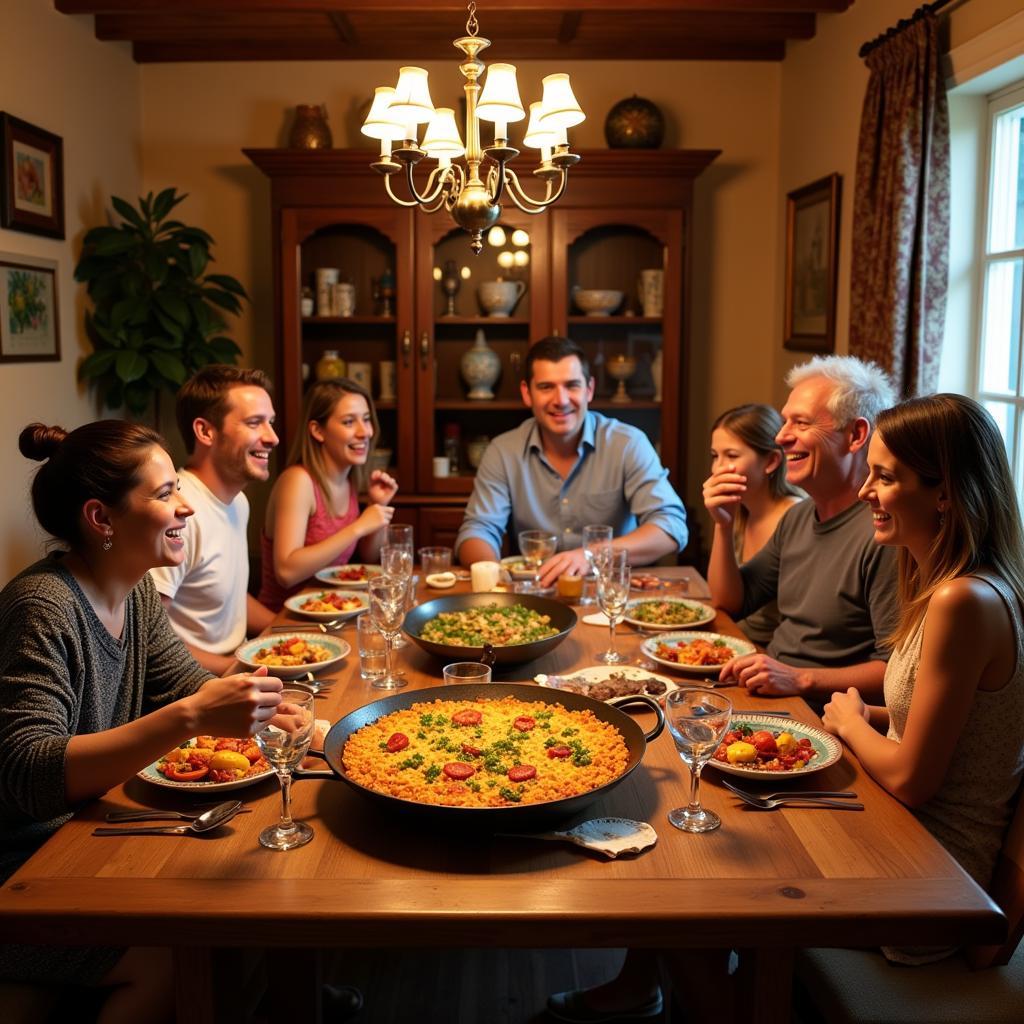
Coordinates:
<point>354,577</point>
<point>294,654</point>
<point>647,581</point>
<point>327,605</point>
<point>517,568</point>
<point>668,613</point>
<point>606,683</point>
<point>762,747</point>
<point>209,764</point>
<point>704,653</point>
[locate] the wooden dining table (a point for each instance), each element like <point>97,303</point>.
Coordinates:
<point>765,883</point>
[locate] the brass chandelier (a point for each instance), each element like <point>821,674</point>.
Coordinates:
<point>474,203</point>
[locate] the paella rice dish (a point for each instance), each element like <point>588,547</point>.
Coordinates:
<point>485,753</point>
<point>499,625</point>
<point>666,613</point>
<point>290,653</point>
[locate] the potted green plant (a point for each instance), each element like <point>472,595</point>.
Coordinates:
<point>157,315</point>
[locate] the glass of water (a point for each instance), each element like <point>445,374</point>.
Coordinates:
<point>597,544</point>
<point>387,608</point>
<point>536,547</point>
<point>396,561</point>
<point>284,742</point>
<point>698,718</point>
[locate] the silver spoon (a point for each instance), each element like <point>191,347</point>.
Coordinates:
<point>204,823</point>
<point>149,814</point>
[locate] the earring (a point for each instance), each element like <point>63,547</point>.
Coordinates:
<point>942,519</point>
<point>108,542</point>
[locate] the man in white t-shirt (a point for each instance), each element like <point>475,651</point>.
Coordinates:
<point>226,416</point>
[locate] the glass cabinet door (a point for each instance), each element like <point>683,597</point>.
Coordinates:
<point>616,290</point>
<point>354,318</point>
<point>476,317</point>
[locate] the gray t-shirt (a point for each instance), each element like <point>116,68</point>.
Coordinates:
<point>62,674</point>
<point>836,588</point>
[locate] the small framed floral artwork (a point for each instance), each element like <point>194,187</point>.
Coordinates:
<point>32,182</point>
<point>29,315</point>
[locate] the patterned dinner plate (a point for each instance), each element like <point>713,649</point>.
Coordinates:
<point>828,749</point>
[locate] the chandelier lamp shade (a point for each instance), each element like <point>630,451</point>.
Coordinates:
<point>472,200</point>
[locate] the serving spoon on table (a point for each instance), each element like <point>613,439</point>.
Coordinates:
<point>206,821</point>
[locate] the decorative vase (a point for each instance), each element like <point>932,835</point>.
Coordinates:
<point>330,365</point>
<point>635,123</point>
<point>499,298</point>
<point>656,375</point>
<point>652,292</point>
<point>481,367</point>
<point>310,129</point>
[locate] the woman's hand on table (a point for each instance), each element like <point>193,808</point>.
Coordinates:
<point>764,675</point>
<point>842,709</point>
<point>723,492</point>
<point>235,705</point>
<point>382,487</point>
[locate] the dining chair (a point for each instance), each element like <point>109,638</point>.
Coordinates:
<point>980,984</point>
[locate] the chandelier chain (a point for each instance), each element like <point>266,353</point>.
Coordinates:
<point>472,25</point>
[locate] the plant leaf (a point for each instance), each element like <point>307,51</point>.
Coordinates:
<point>165,202</point>
<point>173,306</point>
<point>223,299</point>
<point>115,244</point>
<point>198,258</point>
<point>224,349</point>
<point>128,212</point>
<point>228,283</point>
<point>97,363</point>
<point>169,366</point>
<point>130,365</point>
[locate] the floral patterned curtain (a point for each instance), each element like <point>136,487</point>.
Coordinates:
<point>901,211</point>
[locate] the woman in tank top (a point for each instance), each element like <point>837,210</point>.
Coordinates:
<point>313,518</point>
<point>949,741</point>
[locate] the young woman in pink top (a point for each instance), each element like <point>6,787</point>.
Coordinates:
<point>313,518</point>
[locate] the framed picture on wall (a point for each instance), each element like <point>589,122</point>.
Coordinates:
<point>29,315</point>
<point>812,257</point>
<point>32,182</point>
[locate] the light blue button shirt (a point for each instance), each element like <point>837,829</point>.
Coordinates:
<point>618,481</point>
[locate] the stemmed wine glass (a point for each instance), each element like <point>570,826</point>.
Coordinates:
<point>387,609</point>
<point>698,719</point>
<point>597,542</point>
<point>284,741</point>
<point>612,597</point>
<point>396,559</point>
<point>536,547</point>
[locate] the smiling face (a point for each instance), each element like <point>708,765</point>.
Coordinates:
<point>817,451</point>
<point>147,529</point>
<point>558,395</point>
<point>904,509</point>
<point>240,448</point>
<point>347,432</point>
<point>728,450</point>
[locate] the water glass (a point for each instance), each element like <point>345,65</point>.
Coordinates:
<point>597,543</point>
<point>284,741</point>
<point>396,561</point>
<point>387,608</point>
<point>612,597</point>
<point>467,672</point>
<point>698,718</point>
<point>399,535</point>
<point>372,648</point>
<point>435,560</point>
<point>536,547</point>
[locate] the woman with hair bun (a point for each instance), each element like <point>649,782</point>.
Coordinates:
<point>94,683</point>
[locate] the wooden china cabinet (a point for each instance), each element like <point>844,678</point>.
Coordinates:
<point>623,211</point>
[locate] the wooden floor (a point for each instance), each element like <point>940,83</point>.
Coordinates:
<point>471,986</point>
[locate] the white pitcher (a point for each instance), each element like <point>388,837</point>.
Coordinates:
<point>499,298</point>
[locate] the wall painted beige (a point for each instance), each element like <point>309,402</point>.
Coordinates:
<point>88,93</point>
<point>197,119</point>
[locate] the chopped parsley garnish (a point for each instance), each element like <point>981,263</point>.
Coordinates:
<point>412,762</point>
<point>510,794</point>
<point>432,772</point>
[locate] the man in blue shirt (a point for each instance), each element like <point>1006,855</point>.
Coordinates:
<point>565,468</point>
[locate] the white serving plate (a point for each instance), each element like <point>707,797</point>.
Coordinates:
<point>596,673</point>
<point>295,602</point>
<point>707,614</point>
<point>331,575</point>
<point>735,644</point>
<point>828,747</point>
<point>338,649</point>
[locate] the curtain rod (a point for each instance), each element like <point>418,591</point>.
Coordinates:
<point>902,24</point>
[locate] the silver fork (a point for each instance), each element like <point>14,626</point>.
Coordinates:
<point>798,801</point>
<point>785,793</point>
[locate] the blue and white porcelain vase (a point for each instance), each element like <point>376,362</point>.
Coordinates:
<point>481,367</point>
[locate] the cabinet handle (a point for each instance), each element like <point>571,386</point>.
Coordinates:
<point>406,346</point>
<point>424,349</point>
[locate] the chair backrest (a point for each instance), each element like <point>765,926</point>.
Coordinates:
<point>1007,889</point>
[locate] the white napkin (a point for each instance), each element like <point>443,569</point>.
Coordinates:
<point>596,619</point>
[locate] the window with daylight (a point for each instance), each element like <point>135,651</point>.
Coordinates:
<point>1000,383</point>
